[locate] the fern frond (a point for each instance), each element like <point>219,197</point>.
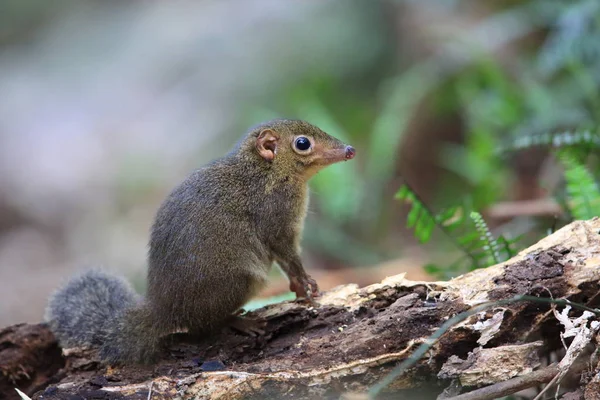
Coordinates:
<point>423,220</point>
<point>471,235</point>
<point>420,218</point>
<point>507,246</point>
<point>583,193</point>
<point>490,245</point>
<point>585,139</point>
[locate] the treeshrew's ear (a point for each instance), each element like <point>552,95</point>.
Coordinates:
<point>266,144</point>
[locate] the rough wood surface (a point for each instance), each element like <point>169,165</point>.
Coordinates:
<point>352,339</point>
<point>29,358</point>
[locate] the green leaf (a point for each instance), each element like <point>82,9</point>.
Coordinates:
<point>583,193</point>
<point>490,245</point>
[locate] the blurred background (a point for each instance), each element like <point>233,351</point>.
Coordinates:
<point>105,106</point>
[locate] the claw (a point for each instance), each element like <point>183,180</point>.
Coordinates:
<point>305,288</point>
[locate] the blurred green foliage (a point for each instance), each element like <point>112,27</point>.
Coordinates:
<point>582,192</point>
<point>352,196</point>
<point>548,98</point>
<point>470,235</point>
<point>546,87</point>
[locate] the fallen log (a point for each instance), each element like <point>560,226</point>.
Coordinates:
<point>355,337</point>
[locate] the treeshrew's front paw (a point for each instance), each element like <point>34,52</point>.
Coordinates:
<point>306,289</point>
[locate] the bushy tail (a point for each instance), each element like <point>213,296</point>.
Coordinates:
<point>99,310</point>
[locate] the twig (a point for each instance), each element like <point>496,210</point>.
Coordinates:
<point>501,389</point>
<point>22,395</point>
<point>429,342</point>
<point>510,386</point>
<point>548,386</point>
<point>528,208</point>
<point>150,391</point>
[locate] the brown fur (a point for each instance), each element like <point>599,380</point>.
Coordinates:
<point>218,233</point>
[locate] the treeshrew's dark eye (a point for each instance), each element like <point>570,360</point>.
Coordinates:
<point>302,143</point>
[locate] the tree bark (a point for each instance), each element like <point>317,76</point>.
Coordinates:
<point>350,341</point>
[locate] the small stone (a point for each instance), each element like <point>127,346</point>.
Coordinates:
<point>215,365</point>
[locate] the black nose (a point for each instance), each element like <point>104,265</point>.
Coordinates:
<point>350,152</point>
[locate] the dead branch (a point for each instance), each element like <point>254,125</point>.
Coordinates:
<point>354,338</point>
<point>511,386</point>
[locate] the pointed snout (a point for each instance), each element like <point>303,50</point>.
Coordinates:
<point>350,152</point>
